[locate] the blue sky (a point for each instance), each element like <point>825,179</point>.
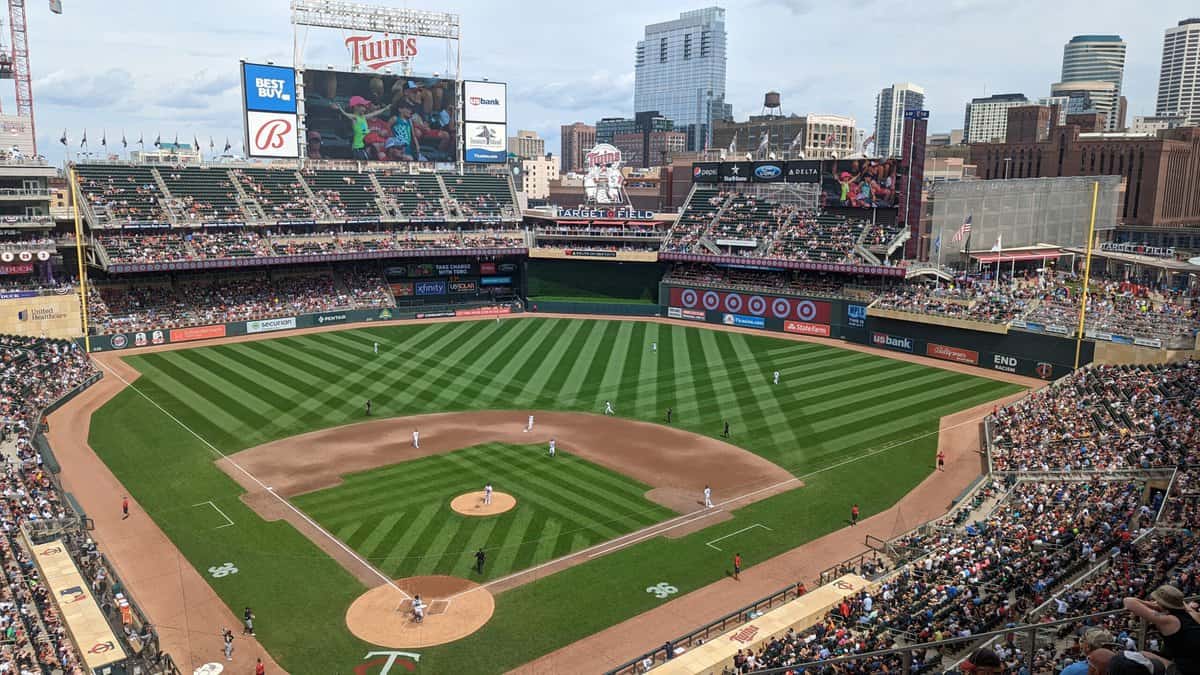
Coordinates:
<point>154,67</point>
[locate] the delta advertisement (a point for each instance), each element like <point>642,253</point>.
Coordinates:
<point>845,183</point>
<point>753,304</point>
<point>269,108</point>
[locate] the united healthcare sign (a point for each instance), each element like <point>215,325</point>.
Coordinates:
<point>269,101</point>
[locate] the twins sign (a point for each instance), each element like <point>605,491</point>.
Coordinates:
<point>773,306</point>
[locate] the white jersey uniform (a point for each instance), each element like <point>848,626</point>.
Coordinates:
<point>777,377</point>
<point>552,448</point>
<point>487,494</point>
<point>608,409</point>
<point>376,347</point>
<point>529,424</point>
<point>708,497</point>
<point>416,439</point>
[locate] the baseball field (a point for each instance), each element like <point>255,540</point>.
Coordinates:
<point>203,435</point>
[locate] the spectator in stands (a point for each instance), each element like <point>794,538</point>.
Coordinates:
<point>1178,623</point>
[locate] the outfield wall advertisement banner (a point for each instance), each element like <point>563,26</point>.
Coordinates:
<point>802,328</point>
<point>954,354</point>
<point>743,320</point>
<point>197,333</point>
<point>772,306</point>
<point>268,325</point>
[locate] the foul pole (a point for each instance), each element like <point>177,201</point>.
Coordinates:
<point>1087,275</point>
<point>75,196</point>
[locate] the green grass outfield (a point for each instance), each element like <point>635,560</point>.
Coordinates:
<point>399,517</point>
<point>832,406</point>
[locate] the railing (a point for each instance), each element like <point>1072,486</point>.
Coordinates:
<point>717,627</point>
<point>853,564</point>
<point>25,192</point>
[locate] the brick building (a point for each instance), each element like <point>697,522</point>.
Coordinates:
<point>1162,175</point>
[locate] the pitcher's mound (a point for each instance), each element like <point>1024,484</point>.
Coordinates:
<point>454,608</point>
<point>471,504</point>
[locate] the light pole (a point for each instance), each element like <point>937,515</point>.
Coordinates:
<point>1007,162</point>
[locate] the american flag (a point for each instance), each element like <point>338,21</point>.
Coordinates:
<point>964,230</point>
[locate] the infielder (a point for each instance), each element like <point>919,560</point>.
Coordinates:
<point>708,497</point>
<point>777,377</point>
<point>529,424</point>
<point>416,438</point>
<point>487,494</point>
<point>608,409</point>
<point>551,447</point>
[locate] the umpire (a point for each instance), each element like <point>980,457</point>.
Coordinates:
<point>480,557</point>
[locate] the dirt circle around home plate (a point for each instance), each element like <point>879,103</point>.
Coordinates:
<point>454,608</point>
<point>471,504</point>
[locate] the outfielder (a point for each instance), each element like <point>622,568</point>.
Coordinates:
<point>416,438</point>
<point>376,347</point>
<point>708,497</point>
<point>487,494</point>
<point>368,407</point>
<point>529,424</point>
<point>552,447</point>
<point>653,346</point>
<point>777,377</point>
<point>608,409</point>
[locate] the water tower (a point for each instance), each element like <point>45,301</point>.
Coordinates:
<point>771,105</point>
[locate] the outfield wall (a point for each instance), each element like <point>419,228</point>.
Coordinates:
<point>1023,353</point>
<point>118,341</point>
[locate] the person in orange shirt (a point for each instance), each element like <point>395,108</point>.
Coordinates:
<point>854,515</point>
<point>737,565</point>
<point>941,460</point>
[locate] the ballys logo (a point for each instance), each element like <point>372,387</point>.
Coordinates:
<point>272,135</point>
<point>385,661</point>
<point>366,50</point>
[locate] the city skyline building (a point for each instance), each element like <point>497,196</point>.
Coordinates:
<point>1097,58</point>
<point>679,70</point>
<point>1179,74</point>
<point>890,104</point>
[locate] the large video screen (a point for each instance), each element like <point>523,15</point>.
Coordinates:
<point>845,183</point>
<point>858,183</point>
<point>379,118</point>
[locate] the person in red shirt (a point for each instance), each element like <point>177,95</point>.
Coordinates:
<point>737,565</point>
<point>854,515</point>
<point>124,508</point>
<point>941,460</point>
<point>259,668</point>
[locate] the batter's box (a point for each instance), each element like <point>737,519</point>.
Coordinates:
<point>438,607</point>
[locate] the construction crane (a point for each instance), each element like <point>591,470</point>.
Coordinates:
<point>14,60</point>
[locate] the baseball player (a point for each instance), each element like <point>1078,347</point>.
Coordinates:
<point>487,494</point>
<point>480,557</point>
<point>654,346</point>
<point>776,377</point>
<point>669,413</point>
<point>529,424</point>
<point>708,497</point>
<point>227,636</point>
<point>608,409</point>
<point>552,448</point>
<point>376,347</point>
<point>416,438</point>
<point>248,622</point>
<point>418,609</point>
<point>726,432</point>
<point>368,407</point>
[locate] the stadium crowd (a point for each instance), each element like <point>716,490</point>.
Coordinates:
<point>117,308</point>
<point>1043,547</point>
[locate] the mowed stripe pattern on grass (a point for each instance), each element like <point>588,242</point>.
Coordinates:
<point>399,517</point>
<point>831,403</point>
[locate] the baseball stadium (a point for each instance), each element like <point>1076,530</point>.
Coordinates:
<point>357,401</point>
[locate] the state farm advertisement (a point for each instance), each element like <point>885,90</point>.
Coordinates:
<point>952,354</point>
<point>797,309</point>
<point>802,328</point>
